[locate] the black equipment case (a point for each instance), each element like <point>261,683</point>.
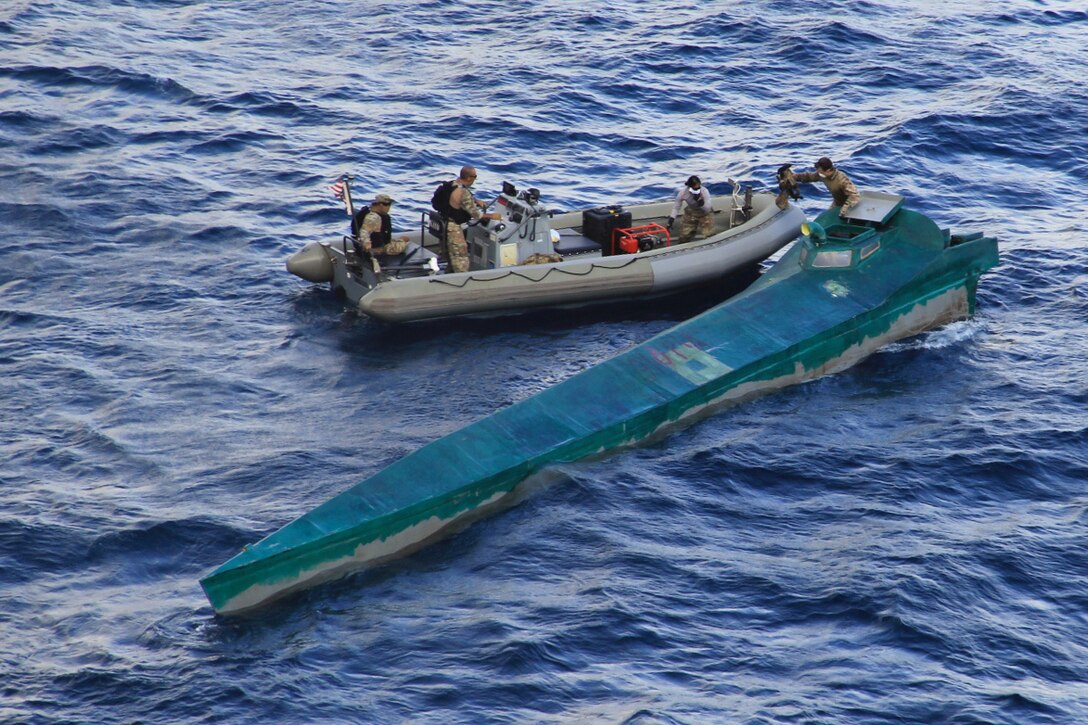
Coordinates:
<point>597,224</point>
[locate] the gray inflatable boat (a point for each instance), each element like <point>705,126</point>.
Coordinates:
<point>595,255</point>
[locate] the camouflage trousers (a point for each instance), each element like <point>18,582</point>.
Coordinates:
<point>457,247</point>
<point>694,220</point>
<point>393,247</point>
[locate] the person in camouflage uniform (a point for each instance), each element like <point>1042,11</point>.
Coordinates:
<point>376,227</point>
<point>843,192</point>
<point>695,199</point>
<point>373,231</point>
<point>461,200</point>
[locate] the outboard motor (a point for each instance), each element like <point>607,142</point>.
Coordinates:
<point>523,231</point>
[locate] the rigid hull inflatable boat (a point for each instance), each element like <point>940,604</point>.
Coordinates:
<point>607,254</point>
<point>845,289</point>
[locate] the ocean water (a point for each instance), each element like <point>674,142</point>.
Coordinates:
<point>903,542</point>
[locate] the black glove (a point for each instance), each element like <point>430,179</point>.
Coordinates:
<point>668,224</point>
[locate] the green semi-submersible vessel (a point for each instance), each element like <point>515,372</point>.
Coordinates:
<point>847,287</point>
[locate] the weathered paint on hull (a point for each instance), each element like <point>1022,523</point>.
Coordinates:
<point>364,553</point>
<point>723,356</point>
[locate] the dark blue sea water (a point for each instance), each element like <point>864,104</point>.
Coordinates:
<point>903,542</point>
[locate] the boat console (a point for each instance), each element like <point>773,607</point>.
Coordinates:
<point>523,231</point>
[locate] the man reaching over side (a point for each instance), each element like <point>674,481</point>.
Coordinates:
<point>843,192</point>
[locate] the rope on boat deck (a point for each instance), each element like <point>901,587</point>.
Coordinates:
<point>514,272</point>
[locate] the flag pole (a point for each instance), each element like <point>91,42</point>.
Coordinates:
<point>347,179</point>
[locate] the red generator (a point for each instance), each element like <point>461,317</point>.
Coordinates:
<point>639,239</point>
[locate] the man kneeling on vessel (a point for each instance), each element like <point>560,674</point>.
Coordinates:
<point>695,200</point>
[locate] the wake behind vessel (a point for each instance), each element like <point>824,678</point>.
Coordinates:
<point>845,289</point>
<point>535,258</point>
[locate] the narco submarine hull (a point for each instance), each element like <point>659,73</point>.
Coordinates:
<point>844,290</point>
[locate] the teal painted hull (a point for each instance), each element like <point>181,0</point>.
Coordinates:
<point>796,323</point>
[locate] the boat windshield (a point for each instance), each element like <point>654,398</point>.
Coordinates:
<point>832,258</point>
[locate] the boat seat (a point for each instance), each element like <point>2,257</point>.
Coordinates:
<point>436,226</point>
<point>571,244</point>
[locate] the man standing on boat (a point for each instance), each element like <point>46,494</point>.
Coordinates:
<point>463,207</point>
<point>695,199</point>
<point>843,192</point>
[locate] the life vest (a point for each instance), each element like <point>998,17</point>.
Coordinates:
<point>378,239</point>
<point>440,201</point>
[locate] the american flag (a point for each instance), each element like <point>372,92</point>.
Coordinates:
<point>337,189</point>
